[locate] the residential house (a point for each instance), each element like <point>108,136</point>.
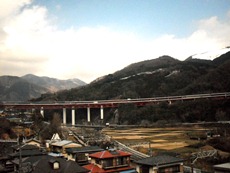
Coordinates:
<point>47,164</point>
<point>55,138</point>
<point>21,152</point>
<point>25,150</point>
<point>33,142</point>
<point>60,146</point>
<point>160,164</point>
<point>81,154</point>
<point>110,161</point>
<point>5,165</point>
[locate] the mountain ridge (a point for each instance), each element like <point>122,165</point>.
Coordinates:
<point>166,77</point>
<point>163,76</point>
<point>14,88</point>
<point>56,84</point>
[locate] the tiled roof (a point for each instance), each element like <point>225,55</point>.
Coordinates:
<point>109,154</point>
<point>95,169</point>
<point>25,147</point>
<point>61,143</point>
<point>73,167</point>
<point>87,149</point>
<point>30,140</point>
<point>159,160</point>
<point>26,153</point>
<point>42,164</point>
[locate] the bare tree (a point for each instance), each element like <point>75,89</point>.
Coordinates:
<point>53,127</point>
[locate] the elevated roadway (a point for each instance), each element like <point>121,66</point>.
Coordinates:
<point>111,103</point>
<point>101,104</point>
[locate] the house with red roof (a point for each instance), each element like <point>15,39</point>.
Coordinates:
<point>110,161</point>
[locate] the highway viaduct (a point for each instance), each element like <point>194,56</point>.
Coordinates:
<point>101,104</point>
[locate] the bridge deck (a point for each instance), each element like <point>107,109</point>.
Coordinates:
<point>111,103</point>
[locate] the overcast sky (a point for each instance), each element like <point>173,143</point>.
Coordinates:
<point>87,39</point>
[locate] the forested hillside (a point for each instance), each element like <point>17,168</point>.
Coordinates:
<point>164,76</point>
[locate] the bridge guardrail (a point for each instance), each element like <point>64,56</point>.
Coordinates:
<point>112,103</point>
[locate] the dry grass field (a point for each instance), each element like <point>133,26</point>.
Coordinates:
<point>172,140</point>
<point>175,139</point>
<point>178,140</point>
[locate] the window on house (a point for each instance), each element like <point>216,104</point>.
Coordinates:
<point>144,169</point>
<point>81,157</point>
<point>107,163</point>
<point>97,161</point>
<point>56,165</point>
<point>122,161</point>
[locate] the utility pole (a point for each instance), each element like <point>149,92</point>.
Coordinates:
<point>20,154</point>
<point>20,158</point>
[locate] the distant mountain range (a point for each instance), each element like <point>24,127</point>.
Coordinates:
<point>13,88</point>
<point>53,84</point>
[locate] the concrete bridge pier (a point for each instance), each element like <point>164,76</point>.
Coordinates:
<point>88,114</point>
<point>64,116</point>
<point>73,116</point>
<point>102,113</point>
<point>42,111</point>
